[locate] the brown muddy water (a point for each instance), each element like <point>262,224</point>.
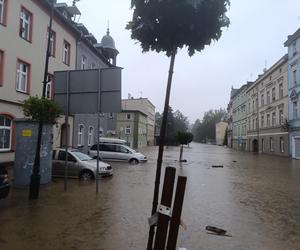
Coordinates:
<point>255,198</point>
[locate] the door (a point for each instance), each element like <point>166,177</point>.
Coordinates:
<point>296,148</point>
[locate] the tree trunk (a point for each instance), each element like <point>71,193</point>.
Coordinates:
<point>181,150</point>
<point>161,148</point>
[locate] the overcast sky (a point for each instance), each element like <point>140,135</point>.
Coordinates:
<point>255,37</point>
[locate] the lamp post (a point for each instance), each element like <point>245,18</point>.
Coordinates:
<point>35,176</point>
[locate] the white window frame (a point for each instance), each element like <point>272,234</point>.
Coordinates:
<point>66,52</point>
<point>294,77</point>
<point>274,119</point>
<point>295,110</point>
<point>280,90</point>
<point>80,140</point>
<point>22,73</point>
<point>25,24</point>
<point>271,144</point>
<point>9,129</point>
<point>2,8</point>
<point>83,62</point>
<point>91,136</point>
<point>281,141</point>
<point>268,120</point>
<point>281,117</point>
<point>128,130</point>
<point>52,41</point>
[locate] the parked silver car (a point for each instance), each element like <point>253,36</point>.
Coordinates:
<point>117,152</point>
<point>79,165</point>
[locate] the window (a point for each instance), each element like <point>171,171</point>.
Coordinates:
<point>281,145</point>
<point>271,145</point>
<point>295,77</point>
<point>262,121</point>
<point>80,135</point>
<point>48,89</point>
<point>295,110</point>
<point>62,156</point>
<point>281,117</point>
<point>253,105</point>
<point>110,115</point>
<point>273,94</point>
<point>268,120</point>
<point>23,73</point>
<point>128,130</point>
<point>25,24</point>
<point>273,119</point>
<point>249,107</point>
<point>5,133</point>
<point>280,90</point>
<point>1,67</point>
<point>52,42</point>
<point>91,136</point>
<point>262,99</point>
<point>93,66</point>
<point>3,9</point>
<point>263,145</point>
<point>83,62</point>
<point>253,123</point>
<point>128,116</point>
<point>294,48</point>
<point>249,125</point>
<point>268,97</point>
<point>66,53</point>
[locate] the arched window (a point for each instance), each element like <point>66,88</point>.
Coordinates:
<point>91,136</point>
<point>80,135</point>
<point>5,133</point>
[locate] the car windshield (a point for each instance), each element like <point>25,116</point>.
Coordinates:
<point>82,156</point>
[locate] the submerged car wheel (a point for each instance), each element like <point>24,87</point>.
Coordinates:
<point>86,175</point>
<point>134,161</point>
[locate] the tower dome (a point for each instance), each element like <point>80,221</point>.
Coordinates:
<point>107,41</point>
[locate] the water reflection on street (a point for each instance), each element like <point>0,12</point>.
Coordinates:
<point>256,198</point>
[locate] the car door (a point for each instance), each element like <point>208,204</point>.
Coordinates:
<point>59,165</point>
<point>108,151</point>
<point>122,152</point>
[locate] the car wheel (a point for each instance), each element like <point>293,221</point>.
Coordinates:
<point>134,161</point>
<point>86,175</point>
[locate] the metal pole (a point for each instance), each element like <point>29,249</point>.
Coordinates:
<point>161,149</point>
<point>67,131</point>
<point>98,126</point>
<point>35,177</point>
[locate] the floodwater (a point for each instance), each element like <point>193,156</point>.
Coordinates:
<point>256,198</point>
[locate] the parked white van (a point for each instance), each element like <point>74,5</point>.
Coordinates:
<point>116,151</point>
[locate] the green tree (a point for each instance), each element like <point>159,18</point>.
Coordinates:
<point>165,26</point>
<point>206,130</point>
<point>184,138</point>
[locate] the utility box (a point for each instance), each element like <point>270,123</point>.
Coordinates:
<point>26,142</point>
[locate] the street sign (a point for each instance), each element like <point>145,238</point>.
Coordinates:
<point>88,91</point>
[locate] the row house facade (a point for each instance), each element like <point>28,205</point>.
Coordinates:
<point>239,118</point>
<point>229,118</point>
<point>145,106</point>
<point>267,111</point>
<point>24,27</point>
<point>132,127</point>
<point>293,45</point>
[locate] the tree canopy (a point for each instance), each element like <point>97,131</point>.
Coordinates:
<point>205,130</point>
<point>165,25</point>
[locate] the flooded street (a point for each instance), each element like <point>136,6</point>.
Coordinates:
<point>256,198</point>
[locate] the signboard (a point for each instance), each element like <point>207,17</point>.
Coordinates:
<point>26,133</point>
<point>88,91</point>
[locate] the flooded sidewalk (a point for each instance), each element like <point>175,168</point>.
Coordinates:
<point>256,198</point>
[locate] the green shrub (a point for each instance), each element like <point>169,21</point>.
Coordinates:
<point>41,109</point>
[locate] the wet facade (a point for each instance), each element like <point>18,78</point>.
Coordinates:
<point>239,118</point>
<point>268,111</point>
<point>293,44</point>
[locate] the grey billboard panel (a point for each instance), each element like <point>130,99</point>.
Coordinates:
<point>111,79</point>
<point>84,81</point>
<point>83,103</point>
<point>84,90</point>
<point>111,102</point>
<point>60,82</point>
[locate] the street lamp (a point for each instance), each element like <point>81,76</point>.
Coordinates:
<point>35,176</point>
